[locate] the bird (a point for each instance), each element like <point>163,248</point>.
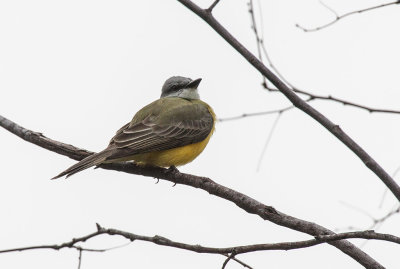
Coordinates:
<point>169,132</point>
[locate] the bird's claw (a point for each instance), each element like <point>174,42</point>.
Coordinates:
<point>172,169</point>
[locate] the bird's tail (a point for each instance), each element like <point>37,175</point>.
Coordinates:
<point>89,161</point>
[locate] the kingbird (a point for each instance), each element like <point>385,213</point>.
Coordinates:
<point>169,132</point>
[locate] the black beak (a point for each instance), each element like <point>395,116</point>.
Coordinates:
<point>194,84</point>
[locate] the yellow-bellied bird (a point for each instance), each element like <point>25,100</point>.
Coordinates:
<point>171,131</point>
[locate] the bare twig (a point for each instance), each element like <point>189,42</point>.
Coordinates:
<point>358,209</point>
<point>378,221</point>
<point>239,262</point>
<point>329,8</point>
<point>247,203</point>
<point>262,48</point>
<point>268,140</point>
<point>70,244</point>
<point>212,6</point>
<point>262,113</point>
<point>385,191</point>
<point>344,102</point>
<point>231,256</point>
<point>230,251</point>
<point>338,18</point>
<point>259,39</point>
<point>295,99</point>
<point>312,96</point>
<point>80,259</point>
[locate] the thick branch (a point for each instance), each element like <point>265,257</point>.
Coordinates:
<point>245,202</point>
<point>44,142</point>
<point>296,100</point>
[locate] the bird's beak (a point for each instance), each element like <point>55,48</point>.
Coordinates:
<point>194,84</point>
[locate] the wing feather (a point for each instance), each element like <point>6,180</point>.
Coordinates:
<point>183,125</point>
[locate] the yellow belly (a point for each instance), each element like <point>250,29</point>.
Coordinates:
<point>176,156</point>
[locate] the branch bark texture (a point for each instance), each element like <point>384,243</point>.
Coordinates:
<point>163,241</point>
<point>243,201</point>
<point>294,98</point>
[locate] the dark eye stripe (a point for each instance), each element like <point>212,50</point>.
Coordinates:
<point>175,88</point>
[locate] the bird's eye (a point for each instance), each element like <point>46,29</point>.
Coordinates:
<point>174,87</point>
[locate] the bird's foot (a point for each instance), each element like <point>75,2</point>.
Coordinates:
<point>172,169</point>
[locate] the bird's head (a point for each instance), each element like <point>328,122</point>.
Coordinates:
<point>181,87</point>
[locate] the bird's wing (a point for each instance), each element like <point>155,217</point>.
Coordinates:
<point>179,126</point>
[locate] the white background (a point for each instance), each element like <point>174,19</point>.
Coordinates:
<point>78,70</point>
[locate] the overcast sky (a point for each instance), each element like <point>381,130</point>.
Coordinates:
<point>78,70</point>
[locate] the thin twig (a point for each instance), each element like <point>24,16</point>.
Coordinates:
<point>338,18</point>
<point>385,191</point>
<point>80,259</point>
<point>239,262</point>
<point>70,244</point>
<point>231,256</point>
<point>259,39</point>
<point>345,102</point>
<point>329,8</point>
<point>262,113</point>
<point>313,96</point>
<point>262,48</point>
<point>268,140</point>
<point>358,209</point>
<point>377,221</point>
<point>212,6</point>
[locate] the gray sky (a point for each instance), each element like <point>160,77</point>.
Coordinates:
<point>78,70</point>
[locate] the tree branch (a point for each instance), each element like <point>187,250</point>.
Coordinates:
<point>338,18</point>
<point>212,6</point>
<point>80,259</point>
<point>44,142</point>
<point>344,102</point>
<point>230,257</point>
<point>243,201</point>
<point>269,137</point>
<point>70,244</point>
<point>379,221</point>
<point>296,100</point>
<point>245,115</point>
<point>226,251</point>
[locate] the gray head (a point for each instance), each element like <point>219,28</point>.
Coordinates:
<point>181,87</point>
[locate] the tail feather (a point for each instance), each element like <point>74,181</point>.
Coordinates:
<point>89,161</point>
